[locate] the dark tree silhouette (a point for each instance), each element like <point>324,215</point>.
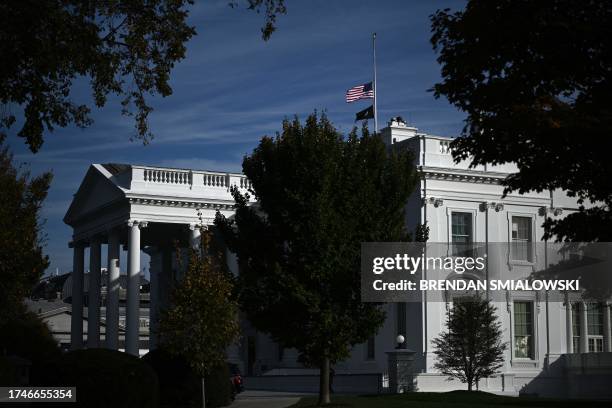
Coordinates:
<point>472,346</point>
<point>319,196</point>
<point>22,261</point>
<point>127,48</point>
<point>535,79</point>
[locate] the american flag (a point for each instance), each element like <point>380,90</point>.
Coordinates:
<point>364,91</point>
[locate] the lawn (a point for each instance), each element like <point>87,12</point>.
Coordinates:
<point>453,399</point>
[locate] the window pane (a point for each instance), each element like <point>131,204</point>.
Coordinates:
<point>523,330</point>
<point>461,233</point>
<point>595,319</point>
<point>521,239</point>
<point>461,227</point>
<point>521,228</point>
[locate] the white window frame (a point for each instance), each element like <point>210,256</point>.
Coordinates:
<point>596,338</point>
<point>519,297</point>
<point>517,262</point>
<point>449,224</point>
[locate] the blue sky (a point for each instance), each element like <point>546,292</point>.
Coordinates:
<point>234,88</point>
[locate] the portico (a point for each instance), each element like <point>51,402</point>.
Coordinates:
<point>140,208</point>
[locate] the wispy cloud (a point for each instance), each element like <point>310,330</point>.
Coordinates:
<point>234,88</point>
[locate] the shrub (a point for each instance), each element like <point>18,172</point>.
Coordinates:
<point>179,386</point>
<point>103,378</point>
<point>27,336</point>
<point>218,387</point>
<point>8,373</point>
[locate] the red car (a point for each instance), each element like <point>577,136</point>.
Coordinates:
<point>235,379</point>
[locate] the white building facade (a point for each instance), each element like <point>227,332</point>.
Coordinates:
<point>149,208</point>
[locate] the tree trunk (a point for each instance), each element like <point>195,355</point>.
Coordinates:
<point>324,382</point>
<point>469,381</point>
<point>203,393</point>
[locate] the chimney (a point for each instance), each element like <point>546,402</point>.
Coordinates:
<point>397,130</point>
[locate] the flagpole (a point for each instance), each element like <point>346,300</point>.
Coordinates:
<point>375,87</point>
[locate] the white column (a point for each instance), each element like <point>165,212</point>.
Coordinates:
<point>584,328</point>
<point>607,328</point>
<point>112,292</point>
<point>154,272</point>
<point>93,305</point>
<point>132,317</point>
<point>194,236</point>
<point>569,335</point>
<point>76,327</point>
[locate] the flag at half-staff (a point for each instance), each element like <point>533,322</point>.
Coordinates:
<point>365,91</point>
<point>367,113</point>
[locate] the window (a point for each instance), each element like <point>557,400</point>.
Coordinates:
<point>523,330</point>
<point>576,327</point>
<point>461,232</point>
<point>461,228</point>
<point>371,348</point>
<point>595,327</point>
<point>521,239</point>
<point>401,319</point>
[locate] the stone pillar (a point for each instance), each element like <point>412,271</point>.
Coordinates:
<point>112,292</point>
<point>569,335</point>
<point>76,326</point>
<point>194,236</point>
<point>607,328</point>
<point>132,317</point>
<point>154,303</point>
<point>584,328</point>
<point>401,375</point>
<point>93,306</point>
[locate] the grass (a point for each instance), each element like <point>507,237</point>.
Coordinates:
<point>453,399</point>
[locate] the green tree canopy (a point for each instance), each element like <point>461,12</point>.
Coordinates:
<point>202,320</point>
<point>319,196</point>
<point>535,79</point>
<point>22,261</point>
<point>123,47</point>
<point>472,347</point>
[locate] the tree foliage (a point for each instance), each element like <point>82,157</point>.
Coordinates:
<point>202,319</point>
<point>319,195</point>
<point>535,79</point>
<point>22,261</point>
<point>472,347</point>
<point>123,47</point>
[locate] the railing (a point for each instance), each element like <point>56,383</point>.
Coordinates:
<point>187,179</point>
<point>167,176</point>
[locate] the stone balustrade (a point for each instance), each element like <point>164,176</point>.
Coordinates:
<point>150,178</point>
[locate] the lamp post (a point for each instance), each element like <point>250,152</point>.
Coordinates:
<point>400,340</point>
<point>399,360</point>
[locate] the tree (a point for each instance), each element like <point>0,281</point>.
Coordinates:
<point>319,195</point>
<point>535,78</point>
<point>22,261</point>
<point>127,48</point>
<point>202,320</point>
<point>472,346</point>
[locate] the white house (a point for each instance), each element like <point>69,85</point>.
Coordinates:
<point>554,346</point>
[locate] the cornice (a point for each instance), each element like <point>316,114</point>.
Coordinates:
<point>180,203</point>
<point>466,175</point>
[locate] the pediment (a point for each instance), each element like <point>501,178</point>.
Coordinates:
<point>97,190</point>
